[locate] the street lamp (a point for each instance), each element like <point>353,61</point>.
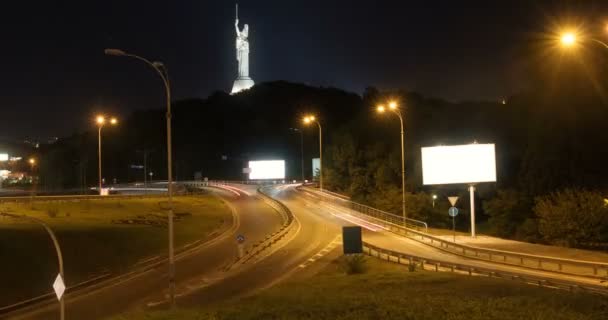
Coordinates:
<point>394,107</point>
<point>161,69</point>
<point>101,121</point>
<point>32,162</point>
<point>308,120</point>
<point>570,39</point>
<point>301,150</point>
<point>434,198</point>
<point>60,280</point>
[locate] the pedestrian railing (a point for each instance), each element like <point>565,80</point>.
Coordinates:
<point>439,265</point>
<point>539,262</point>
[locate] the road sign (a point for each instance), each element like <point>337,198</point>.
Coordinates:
<point>351,240</point>
<point>453,200</point>
<point>453,211</point>
<point>240,238</point>
<point>59,287</point>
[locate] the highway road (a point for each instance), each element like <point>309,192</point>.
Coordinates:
<point>378,236</point>
<point>252,218</point>
<point>312,241</point>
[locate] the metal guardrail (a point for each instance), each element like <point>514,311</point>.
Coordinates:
<point>424,263</point>
<point>545,263</point>
<point>369,211</point>
<point>257,248</point>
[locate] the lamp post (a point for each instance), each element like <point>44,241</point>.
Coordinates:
<point>308,120</point>
<point>162,72</point>
<point>32,162</point>
<point>434,198</point>
<point>394,107</point>
<point>301,150</point>
<point>57,250</point>
<point>101,120</point>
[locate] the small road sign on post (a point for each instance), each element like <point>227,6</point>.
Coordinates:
<point>453,212</point>
<point>453,200</point>
<point>59,287</point>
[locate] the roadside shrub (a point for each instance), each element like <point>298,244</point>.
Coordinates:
<point>52,212</point>
<point>354,264</point>
<point>412,267</point>
<point>572,217</point>
<point>508,210</point>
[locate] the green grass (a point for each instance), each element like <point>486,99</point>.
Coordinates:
<point>388,291</point>
<point>95,235</point>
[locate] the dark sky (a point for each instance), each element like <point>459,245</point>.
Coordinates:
<point>55,76</point>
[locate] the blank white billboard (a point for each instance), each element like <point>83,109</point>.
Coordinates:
<point>267,169</point>
<point>469,163</point>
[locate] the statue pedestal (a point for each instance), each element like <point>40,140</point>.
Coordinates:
<point>242,83</point>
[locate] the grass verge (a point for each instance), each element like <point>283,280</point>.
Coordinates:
<point>388,291</point>
<point>95,236</point>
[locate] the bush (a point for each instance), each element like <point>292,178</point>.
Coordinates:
<point>52,212</point>
<point>572,217</point>
<point>354,264</point>
<point>508,210</point>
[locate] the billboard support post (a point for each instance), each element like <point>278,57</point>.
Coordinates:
<point>472,199</point>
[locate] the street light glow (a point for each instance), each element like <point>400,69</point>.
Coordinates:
<point>568,39</point>
<point>380,109</point>
<point>392,105</point>
<point>100,120</point>
<point>113,121</point>
<point>32,161</point>
<point>309,119</point>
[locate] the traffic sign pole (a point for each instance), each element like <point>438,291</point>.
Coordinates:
<point>454,228</point>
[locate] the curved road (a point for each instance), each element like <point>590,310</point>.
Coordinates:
<point>253,218</point>
<point>378,236</point>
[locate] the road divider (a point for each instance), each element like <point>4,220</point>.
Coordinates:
<point>271,239</point>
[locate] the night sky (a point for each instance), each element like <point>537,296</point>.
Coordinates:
<point>55,76</point>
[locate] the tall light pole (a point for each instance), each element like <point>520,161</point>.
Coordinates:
<point>162,72</point>
<point>57,250</point>
<point>32,162</point>
<point>394,107</point>
<point>301,150</point>
<point>308,120</point>
<point>101,121</point>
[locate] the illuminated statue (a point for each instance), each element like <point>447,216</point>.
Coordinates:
<point>243,81</point>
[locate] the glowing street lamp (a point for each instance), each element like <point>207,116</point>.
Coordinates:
<point>161,69</point>
<point>393,106</point>
<point>308,120</point>
<point>101,120</point>
<point>568,39</point>
<point>434,198</point>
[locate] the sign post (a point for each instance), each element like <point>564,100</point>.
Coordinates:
<point>240,239</point>
<point>453,212</point>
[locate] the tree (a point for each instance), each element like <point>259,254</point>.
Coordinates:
<point>572,217</point>
<point>507,211</point>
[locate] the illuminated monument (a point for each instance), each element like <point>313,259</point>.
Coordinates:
<point>243,81</point>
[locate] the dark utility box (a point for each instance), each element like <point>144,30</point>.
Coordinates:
<point>351,240</point>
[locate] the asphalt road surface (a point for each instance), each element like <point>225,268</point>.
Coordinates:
<point>253,218</point>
